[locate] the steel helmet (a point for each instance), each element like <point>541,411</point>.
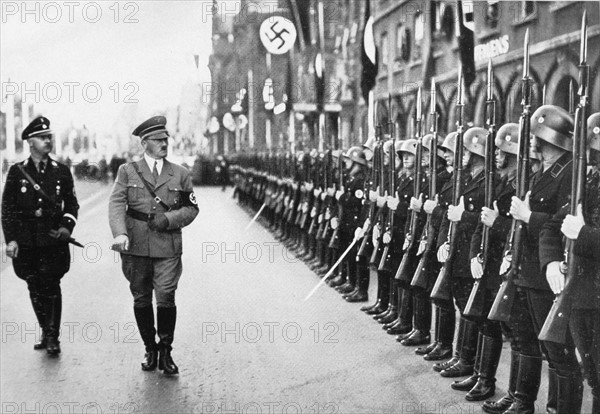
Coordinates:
<point>450,141</point>
<point>507,138</point>
<point>474,140</point>
<point>427,144</point>
<point>554,125</point>
<point>356,154</point>
<point>386,146</point>
<point>408,145</point>
<point>593,131</point>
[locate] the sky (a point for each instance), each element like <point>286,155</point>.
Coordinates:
<point>88,63</point>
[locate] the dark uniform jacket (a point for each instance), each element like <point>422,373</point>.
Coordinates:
<point>586,287</point>
<point>474,198</point>
<point>174,187</point>
<point>550,190</point>
<point>27,217</point>
<point>440,211</point>
<point>498,233</point>
<point>351,203</point>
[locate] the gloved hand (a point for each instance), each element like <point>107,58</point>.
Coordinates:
<point>387,237</point>
<point>392,202</point>
<point>476,268</point>
<point>61,234</point>
<point>555,277</point>
<point>120,243</point>
<point>158,222</point>
<point>12,249</point>
<point>359,233</point>
<point>334,223</point>
<point>429,205</point>
<point>373,195</point>
<point>443,253</point>
<point>416,203</point>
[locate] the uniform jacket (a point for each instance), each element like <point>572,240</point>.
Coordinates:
<point>174,187</point>
<point>21,201</point>
<point>474,198</point>
<point>351,202</point>
<point>439,212</point>
<point>550,190</point>
<point>498,233</point>
<point>586,287</point>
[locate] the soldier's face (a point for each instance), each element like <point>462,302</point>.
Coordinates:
<point>408,160</point>
<point>41,145</point>
<point>425,159</point>
<point>449,157</point>
<point>466,158</point>
<point>156,148</point>
<point>500,159</point>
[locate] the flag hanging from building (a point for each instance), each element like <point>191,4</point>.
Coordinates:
<point>368,55</point>
<point>301,16</point>
<point>464,31</point>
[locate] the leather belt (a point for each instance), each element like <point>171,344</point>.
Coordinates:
<point>138,215</point>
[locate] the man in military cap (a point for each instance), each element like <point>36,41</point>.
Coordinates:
<point>151,201</point>
<point>39,212</point>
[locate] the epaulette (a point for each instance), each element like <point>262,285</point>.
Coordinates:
<point>557,168</point>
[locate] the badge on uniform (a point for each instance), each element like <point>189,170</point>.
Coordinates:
<point>193,199</point>
<point>359,193</point>
<point>38,212</point>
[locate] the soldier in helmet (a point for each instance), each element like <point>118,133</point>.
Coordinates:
<point>39,212</point>
<point>349,198</point>
<point>465,215</point>
<point>550,188</point>
<point>438,208</point>
<point>151,201</point>
<point>583,229</point>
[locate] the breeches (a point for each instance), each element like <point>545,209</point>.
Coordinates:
<point>146,274</point>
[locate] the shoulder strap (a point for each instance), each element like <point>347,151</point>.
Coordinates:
<point>150,188</point>
<point>35,185</point>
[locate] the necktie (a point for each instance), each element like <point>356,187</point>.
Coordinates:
<point>155,171</point>
<point>41,167</point>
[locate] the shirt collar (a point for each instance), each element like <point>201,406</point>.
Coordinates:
<point>150,162</point>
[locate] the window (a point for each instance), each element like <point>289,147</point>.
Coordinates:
<point>419,34</point>
<point>523,11</point>
<point>384,50</point>
<point>492,14</point>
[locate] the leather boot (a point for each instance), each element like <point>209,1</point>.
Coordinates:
<point>552,402</point>
<point>53,307</point>
<point>501,405</point>
<point>363,277</point>
<point>383,292</point>
<point>595,404</point>
<point>468,350</point>
<point>37,302</point>
<point>392,312</point>
<point>422,324</point>
<point>166,318</point>
<point>444,334</point>
<point>528,384</point>
<point>467,384</point>
<point>144,316</point>
<point>570,394</point>
<point>441,366</point>
<point>348,286</point>
<point>424,350</point>
<point>491,348</point>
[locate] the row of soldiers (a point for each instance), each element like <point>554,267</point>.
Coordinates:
<point>500,227</point>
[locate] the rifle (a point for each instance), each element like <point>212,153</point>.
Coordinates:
<point>476,302</point>
<point>335,238</point>
<point>386,261</point>
<point>441,288</point>
<point>427,242</point>
<point>326,205</point>
<point>503,302</point>
<point>404,273</point>
<point>316,204</point>
<point>372,183</point>
<point>376,254</point>
<point>555,326</point>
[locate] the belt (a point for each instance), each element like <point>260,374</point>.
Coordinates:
<point>138,215</point>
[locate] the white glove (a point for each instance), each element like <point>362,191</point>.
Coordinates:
<point>505,265</point>
<point>392,202</point>
<point>387,237</point>
<point>339,193</point>
<point>476,268</point>
<point>334,223</point>
<point>373,195</point>
<point>359,233</point>
<point>443,253</point>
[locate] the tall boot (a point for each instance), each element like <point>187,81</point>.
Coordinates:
<point>37,302</point>
<point>441,366</point>
<point>468,350</point>
<point>422,322</point>
<point>445,334</point>
<point>348,286</point>
<point>53,307</point>
<point>144,317</point>
<point>491,348</point>
<point>402,325</point>
<point>383,292</point>
<point>501,405</point>
<point>361,293</point>
<point>552,402</point>
<point>467,384</point>
<point>166,318</point>
<point>392,311</point>
<point>528,384</point>
<point>570,394</point>
<point>424,350</point>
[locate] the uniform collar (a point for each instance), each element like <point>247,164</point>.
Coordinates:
<point>150,162</point>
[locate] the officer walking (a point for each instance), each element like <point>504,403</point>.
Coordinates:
<point>151,201</point>
<point>39,212</point>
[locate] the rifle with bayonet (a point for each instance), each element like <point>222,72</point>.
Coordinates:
<point>555,326</point>
<point>404,274</point>
<point>441,288</point>
<point>378,223</point>
<point>427,242</point>
<point>335,238</point>
<point>371,185</point>
<point>476,302</point>
<point>503,302</point>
